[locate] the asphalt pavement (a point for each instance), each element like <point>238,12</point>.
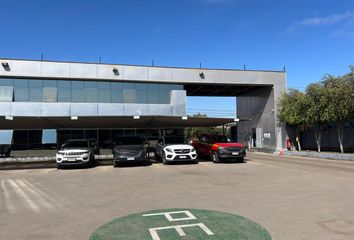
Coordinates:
<point>291,197</point>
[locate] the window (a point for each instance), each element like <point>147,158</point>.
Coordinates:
<point>90,91</point>
<point>50,83</point>
<point>64,91</point>
<point>129,132</point>
<point>6,82</point>
<point>104,92</point>
<point>141,93</point>
<point>78,91</point>
<point>49,136</point>
<point>153,93</point>
<point>129,93</point>
<point>116,92</point>
<point>50,94</point>
<point>6,136</point>
<point>6,93</point>
<point>34,139</point>
<point>21,90</point>
<point>35,90</point>
<point>164,93</point>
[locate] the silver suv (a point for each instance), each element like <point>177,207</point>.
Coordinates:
<point>75,152</point>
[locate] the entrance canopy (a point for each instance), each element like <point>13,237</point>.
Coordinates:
<point>111,122</point>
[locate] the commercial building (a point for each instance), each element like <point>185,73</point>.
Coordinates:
<point>39,99</point>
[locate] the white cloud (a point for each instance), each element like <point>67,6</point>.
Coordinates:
<point>346,18</point>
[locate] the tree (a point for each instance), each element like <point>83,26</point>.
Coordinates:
<point>291,107</point>
<point>316,107</point>
<point>339,95</point>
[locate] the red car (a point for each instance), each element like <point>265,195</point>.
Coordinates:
<point>218,148</point>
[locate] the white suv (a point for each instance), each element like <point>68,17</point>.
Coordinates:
<point>173,148</point>
<point>75,152</point>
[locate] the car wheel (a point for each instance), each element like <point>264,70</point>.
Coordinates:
<point>241,160</point>
<point>215,157</point>
<point>157,157</point>
<point>58,166</point>
<point>147,163</point>
<point>115,164</point>
<point>164,161</point>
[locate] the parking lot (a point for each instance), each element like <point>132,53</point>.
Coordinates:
<point>293,198</point>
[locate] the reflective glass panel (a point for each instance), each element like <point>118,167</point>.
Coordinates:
<point>78,95</point>
<point>116,92</point>
<point>164,96</point>
<point>153,93</point>
<point>129,93</point>
<point>6,82</point>
<point>50,94</point>
<point>91,95</point>
<point>6,93</point>
<point>64,84</point>
<point>104,95</point>
<point>141,93</point>
<point>78,84</point>
<point>21,94</point>
<point>49,136</point>
<point>35,83</point>
<point>36,94</point>
<point>64,95</point>
<point>6,136</point>
<point>50,83</point>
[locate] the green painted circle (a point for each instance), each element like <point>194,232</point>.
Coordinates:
<point>207,225</point>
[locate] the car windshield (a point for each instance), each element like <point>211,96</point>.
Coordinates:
<point>75,144</point>
<point>220,139</point>
<point>129,141</point>
<point>174,140</point>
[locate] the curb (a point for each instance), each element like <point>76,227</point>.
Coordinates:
<point>36,160</point>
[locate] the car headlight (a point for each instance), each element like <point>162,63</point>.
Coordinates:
<point>221,148</point>
<point>169,150</point>
<point>193,150</point>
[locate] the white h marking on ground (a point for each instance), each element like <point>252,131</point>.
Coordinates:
<point>169,217</point>
<point>179,229</point>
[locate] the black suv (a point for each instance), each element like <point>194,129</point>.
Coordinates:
<point>129,149</point>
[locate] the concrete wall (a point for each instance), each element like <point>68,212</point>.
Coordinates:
<point>259,106</point>
<point>177,107</point>
<point>46,69</point>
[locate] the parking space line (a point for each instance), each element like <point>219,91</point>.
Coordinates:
<point>7,197</point>
<point>24,196</point>
<point>35,194</point>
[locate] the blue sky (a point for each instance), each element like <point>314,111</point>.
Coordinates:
<point>310,38</point>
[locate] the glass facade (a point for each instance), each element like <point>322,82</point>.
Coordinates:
<point>51,138</point>
<point>36,90</point>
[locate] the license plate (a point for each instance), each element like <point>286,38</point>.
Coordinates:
<point>235,153</point>
<point>72,159</point>
<point>130,158</point>
<point>182,156</point>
